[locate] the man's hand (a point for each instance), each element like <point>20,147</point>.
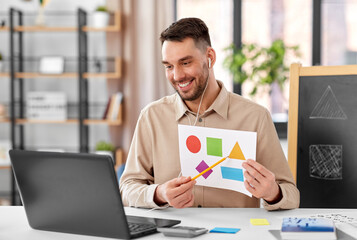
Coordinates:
<point>176,192</point>
<point>260,182</point>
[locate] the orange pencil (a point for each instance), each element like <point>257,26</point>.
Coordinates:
<point>209,168</point>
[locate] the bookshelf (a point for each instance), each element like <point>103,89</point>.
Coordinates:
<point>81,75</point>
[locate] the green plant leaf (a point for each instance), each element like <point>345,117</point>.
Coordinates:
<point>104,146</point>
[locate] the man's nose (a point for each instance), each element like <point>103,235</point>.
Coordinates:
<point>179,74</point>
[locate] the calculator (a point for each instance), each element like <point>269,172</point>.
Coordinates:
<point>182,231</point>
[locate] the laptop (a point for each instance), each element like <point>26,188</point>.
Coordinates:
<point>76,193</point>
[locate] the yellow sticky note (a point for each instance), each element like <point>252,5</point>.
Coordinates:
<point>259,221</point>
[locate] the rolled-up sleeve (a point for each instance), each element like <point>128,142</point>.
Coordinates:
<point>136,184</point>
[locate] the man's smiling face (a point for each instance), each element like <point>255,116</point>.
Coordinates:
<point>185,68</point>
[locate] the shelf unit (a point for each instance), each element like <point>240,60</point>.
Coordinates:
<point>18,76</point>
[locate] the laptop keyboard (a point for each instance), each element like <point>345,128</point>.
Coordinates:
<point>140,227</point>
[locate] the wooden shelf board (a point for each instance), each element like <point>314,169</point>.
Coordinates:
<point>4,74</point>
<point>105,29</point>
<point>64,29</point>
<point>5,167</point>
<point>44,29</point>
<point>4,120</point>
<point>4,29</point>
<point>69,121</point>
<point>101,75</point>
<point>26,121</point>
<point>111,28</point>
<point>67,75</point>
<point>39,75</point>
<point>102,121</point>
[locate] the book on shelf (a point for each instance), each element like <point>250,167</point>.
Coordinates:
<point>113,111</point>
<point>106,109</point>
<point>308,228</point>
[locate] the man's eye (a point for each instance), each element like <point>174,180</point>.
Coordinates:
<point>186,63</point>
<point>168,67</point>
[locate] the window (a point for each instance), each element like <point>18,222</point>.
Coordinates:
<point>218,15</point>
<point>339,37</point>
<point>267,20</point>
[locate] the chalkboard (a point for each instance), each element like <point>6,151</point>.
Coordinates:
<point>323,135</point>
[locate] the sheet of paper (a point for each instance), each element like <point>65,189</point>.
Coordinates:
<point>224,230</point>
<point>201,147</point>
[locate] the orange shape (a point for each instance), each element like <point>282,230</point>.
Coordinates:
<point>236,152</point>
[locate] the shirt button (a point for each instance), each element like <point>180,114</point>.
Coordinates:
<point>200,119</point>
<point>199,206</point>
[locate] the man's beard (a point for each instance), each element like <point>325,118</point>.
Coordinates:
<point>197,94</point>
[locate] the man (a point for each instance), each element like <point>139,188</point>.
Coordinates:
<point>152,174</point>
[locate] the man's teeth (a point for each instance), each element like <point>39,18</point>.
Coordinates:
<point>184,84</point>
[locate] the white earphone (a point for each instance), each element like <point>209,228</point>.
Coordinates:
<point>209,63</point>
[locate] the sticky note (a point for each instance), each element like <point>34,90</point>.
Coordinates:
<point>224,230</point>
<point>259,221</point>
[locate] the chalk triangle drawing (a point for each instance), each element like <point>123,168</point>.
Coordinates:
<point>236,152</point>
<point>328,107</point>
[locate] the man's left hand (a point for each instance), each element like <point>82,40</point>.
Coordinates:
<point>260,182</point>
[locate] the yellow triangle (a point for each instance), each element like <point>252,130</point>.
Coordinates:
<point>236,152</point>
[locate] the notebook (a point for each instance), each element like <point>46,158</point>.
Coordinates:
<point>76,193</point>
<point>308,228</point>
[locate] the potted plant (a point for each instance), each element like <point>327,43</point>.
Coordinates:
<point>265,68</point>
<point>100,17</point>
<point>238,58</point>
<point>103,147</point>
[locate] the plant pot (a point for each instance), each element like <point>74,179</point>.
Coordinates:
<point>109,153</point>
<point>40,19</point>
<point>100,19</point>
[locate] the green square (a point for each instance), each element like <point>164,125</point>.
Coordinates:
<point>214,147</point>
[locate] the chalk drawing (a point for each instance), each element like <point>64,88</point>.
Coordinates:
<point>328,107</point>
<point>326,161</point>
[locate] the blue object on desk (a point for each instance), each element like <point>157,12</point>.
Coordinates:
<point>224,230</point>
<point>120,171</point>
<point>307,225</point>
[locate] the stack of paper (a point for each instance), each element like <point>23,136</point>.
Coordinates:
<point>308,228</point>
<point>46,106</point>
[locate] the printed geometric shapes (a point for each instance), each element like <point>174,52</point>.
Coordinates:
<point>328,107</point>
<point>232,173</point>
<point>193,144</point>
<point>236,153</point>
<point>203,166</point>
<point>326,161</point>
<point>214,147</point>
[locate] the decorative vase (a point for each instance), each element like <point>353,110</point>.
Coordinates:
<point>40,20</point>
<point>100,19</point>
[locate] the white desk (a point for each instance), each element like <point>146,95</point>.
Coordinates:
<point>14,225</point>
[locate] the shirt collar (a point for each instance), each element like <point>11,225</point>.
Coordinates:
<point>220,104</point>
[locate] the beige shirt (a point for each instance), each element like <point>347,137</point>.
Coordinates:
<point>154,153</point>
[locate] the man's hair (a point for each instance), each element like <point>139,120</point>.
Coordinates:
<point>193,28</point>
